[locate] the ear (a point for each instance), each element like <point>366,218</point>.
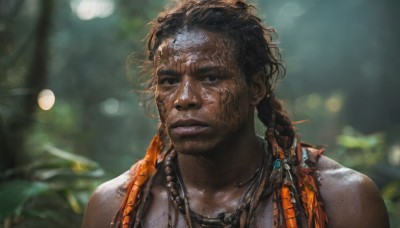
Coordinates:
<point>258,88</point>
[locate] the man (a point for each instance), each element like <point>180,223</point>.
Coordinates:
<point>213,64</point>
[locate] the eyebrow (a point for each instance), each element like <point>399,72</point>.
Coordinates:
<point>166,72</point>
<point>200,70</point>
<point>206,69</point>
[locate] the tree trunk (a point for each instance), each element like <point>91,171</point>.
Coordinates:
<point>13,134</point>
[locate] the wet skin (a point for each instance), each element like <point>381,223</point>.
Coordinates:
<point>201,95</point>
<point>208,111</point>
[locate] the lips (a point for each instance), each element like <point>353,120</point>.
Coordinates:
<point>188,127</point>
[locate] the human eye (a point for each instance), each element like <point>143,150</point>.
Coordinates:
<point>212,75</point>
<point>167,77</point>
<point>212,78</point>
<point>167,81</point>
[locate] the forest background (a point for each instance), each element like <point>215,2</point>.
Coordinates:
<point>70,117</point>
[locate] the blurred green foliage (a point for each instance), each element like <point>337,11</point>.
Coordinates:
<point>51,189</point>
<point>343,70</point>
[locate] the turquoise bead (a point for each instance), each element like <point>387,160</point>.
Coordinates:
<point>277,164</point>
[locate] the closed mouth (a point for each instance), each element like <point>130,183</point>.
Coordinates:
<point>188,123</point>
<point>188,128</point>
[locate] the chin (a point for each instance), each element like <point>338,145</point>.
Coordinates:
<point>194,148</point>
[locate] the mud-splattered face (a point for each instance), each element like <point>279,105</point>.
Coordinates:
<point>201,95</point>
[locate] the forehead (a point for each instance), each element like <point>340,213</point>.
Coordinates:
<point>195,45</point>
<point>195,39</point>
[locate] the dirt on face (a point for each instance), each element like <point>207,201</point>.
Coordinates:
<point>201,94</point>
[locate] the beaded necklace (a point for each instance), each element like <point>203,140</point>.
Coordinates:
<point>176,193</point>
<point>293,182</point>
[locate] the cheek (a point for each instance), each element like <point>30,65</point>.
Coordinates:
<point>161,106</point>
<point>232,105</point>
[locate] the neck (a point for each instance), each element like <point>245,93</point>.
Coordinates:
<point>235,161</point>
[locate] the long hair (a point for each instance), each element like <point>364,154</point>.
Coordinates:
<point>256,54</point>
<point>255,51</point>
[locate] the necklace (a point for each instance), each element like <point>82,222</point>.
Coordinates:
<point>176,193</point>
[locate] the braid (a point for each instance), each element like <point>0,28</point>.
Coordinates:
<point>255,52</point>
<point>280,130</point>
<point>280,135</point>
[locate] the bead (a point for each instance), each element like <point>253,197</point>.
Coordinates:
<point>277,164</point>
<point>171,185</point>
<point>169,158</point>
<point>179,200</point>
<point>168,170</point>
<point>286,166</point>
<point>170,178</point>
<point>168,163</point>
<point>174,192</point>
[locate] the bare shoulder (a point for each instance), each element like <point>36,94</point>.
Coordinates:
<point>351,198</point>
<point>104,203</point>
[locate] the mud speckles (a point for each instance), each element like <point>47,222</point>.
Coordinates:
<point>199,83</point>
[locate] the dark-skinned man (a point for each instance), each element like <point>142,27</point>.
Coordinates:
<point>214,66</point>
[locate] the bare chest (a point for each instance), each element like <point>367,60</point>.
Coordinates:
<point>161,213</point>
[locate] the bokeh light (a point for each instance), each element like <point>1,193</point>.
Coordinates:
<point>334,103</point>
<point>91,9</point>
<point>46,99</point>
<point>110,107</point>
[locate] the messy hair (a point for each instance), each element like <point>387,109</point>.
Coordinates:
<point>255,51</point>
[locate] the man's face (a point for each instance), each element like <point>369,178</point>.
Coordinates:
<point>201,96</point>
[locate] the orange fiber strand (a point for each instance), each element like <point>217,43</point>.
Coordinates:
<point>281,154</point>
<point>288,209</point>
<point>311,201</point>
<point>140,173</point>
<point>316,216</point>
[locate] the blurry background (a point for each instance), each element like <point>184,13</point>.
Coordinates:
<point>69,118</point>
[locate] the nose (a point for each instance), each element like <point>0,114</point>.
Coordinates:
<point>187,96</point>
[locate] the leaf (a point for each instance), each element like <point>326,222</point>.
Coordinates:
<point>69,156</point>
<point>14,193</point>
<point>42,214</point>
<point>359,141</point>
<point>66,174</point>
<point>73,202</point>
